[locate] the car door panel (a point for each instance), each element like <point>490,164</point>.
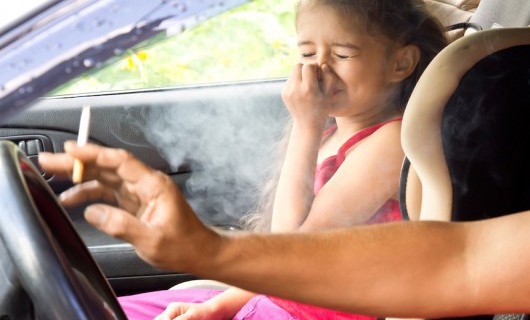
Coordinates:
<point>197,122</point>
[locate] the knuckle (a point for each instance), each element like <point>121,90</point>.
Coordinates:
<point>173,306</point>
<point>159,175</point>
<point>160,180</point>
<point>123,154</point>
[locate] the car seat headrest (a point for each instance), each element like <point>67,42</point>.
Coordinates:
<point>452,13</point>
<point>446,120</point>
<point>505,13</point>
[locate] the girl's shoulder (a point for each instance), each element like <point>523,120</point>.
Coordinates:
<point>389,128</point>
<point>387,133</point>
<point>381,136</point>
<point>384,130</point>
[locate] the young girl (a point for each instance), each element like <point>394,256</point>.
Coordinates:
<point>359,61</point>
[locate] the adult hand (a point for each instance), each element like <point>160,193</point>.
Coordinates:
<point>308,93</point>
<point>146,208</point>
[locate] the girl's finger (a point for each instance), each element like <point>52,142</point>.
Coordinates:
<point>174,310</point>
<point>292,82</point>
<point>328,79</point>
<point>296,74</point>
<point>309,76</point>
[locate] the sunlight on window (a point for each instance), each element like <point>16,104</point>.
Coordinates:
<point>254,41</point>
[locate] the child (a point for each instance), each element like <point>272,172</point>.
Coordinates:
<point>359,61</point>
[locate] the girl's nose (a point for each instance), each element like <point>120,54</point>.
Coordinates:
<point>321,60</point>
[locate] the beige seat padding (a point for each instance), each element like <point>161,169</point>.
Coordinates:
<point>451,12</point>
<point>201,284</point>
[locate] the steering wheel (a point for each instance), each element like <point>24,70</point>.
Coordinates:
<point>45,262</point>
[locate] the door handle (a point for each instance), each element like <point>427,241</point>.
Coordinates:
<point>31,145</point>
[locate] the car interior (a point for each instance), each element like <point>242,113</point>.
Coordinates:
<point>473,134</point>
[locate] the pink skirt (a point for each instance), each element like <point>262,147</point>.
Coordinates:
<point>146,306</point>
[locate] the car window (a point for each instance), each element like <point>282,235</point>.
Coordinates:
<point>256,40</point>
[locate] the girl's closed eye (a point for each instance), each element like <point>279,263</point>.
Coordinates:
<point>345,55</point>
<point>307,54</point>
<point>342,56</point>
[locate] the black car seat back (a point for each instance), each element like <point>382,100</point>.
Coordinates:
<point>486,137</point>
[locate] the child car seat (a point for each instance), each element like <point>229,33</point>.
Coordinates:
<point>461,16</point>
<point>505,13</point>
<point>454,14</point>
<point>466,131</point>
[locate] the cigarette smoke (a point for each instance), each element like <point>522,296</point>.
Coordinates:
<point>228,143</point>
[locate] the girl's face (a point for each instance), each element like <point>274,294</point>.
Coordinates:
<point>359,61</point>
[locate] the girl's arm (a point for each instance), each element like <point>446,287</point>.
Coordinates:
<point>306,96</point>
<point>294,193</point>
<point>367,179</point>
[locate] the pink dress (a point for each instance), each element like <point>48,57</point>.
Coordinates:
<point>260,307</point>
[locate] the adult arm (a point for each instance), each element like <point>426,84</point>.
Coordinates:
<point>453,268</point>
<point>406,269</point>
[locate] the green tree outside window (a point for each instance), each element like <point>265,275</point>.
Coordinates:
<point>254,41</point>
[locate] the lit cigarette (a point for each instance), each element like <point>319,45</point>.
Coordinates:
<point>82,139</point>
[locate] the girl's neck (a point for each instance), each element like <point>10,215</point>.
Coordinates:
<point>348,126</point>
